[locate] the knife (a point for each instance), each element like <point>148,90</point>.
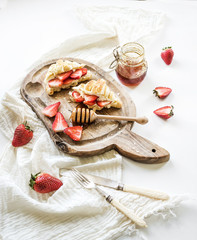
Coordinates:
<point>127,188</point>
<point>124,187</point>
<point>87,183</point>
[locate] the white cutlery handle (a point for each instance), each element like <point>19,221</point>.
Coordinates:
<point>146,192</point>
<point>127,212</point>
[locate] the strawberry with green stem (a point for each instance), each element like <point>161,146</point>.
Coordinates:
<point>22,135</point>
<point>44,183</point>
<point>167,55</point>
<point>162,92</point>
<point>165,112</point>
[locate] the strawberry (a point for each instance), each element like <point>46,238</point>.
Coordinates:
<point>90,98</point>
<point>65,75</point>
<point>22,135</point>
<point>51,110</point>
<point>44,183</point>
<point>74,132</point>
<point>103,103</point>
<point>162,92</point>
<point>167,55</point>
<point>59,123</point>
<point>165,112</point>
<point>77,97</point>
<point>55,83</point>
<point>77,74</point>
<point>68,81</point>
<point>84,71</point>
<point>89,103</point>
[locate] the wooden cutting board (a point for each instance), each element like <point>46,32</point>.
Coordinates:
<point>100,136</point>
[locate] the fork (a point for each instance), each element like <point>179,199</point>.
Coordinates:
<point>85,182</point>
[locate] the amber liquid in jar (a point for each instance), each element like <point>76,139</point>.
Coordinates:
<point>132,66</point>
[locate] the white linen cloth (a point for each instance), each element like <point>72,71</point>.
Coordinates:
<point>71,212</point>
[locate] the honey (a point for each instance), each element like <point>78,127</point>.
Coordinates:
<point>131,66</point>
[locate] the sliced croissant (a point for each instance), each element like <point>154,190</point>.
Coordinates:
<point>62,67</point>
<point>96,95</point>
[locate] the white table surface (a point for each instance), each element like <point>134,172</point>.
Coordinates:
<point>25,34</point>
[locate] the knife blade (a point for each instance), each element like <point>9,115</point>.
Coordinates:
<point>106,182</point>
<point>127,188</point>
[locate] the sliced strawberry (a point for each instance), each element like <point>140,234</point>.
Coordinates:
<point>89,103</point>
<point>55,83</point>
<point>90,98</point>
<point>77,96</point>
<point>65,75</point>
<point>77,74</point>
<point>51,110</point>
<point>74,132</point>
<point>67,81</point>
<point>84,71</point>
<point>165,112</point>
<point>162,92</point>
<point>103,103</point>
<point>59,123</point>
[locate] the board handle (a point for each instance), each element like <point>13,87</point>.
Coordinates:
<point>140,149</point>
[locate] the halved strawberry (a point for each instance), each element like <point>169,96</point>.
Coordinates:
<point>165,112</point>
<point>103,103</point>
<point>67,81</point>
<point>90,98</point>
<point>51,110</point>
<point>77,96</point>
<point>74,132</point>
<point>162,92</point>
<point>84,71</point>
<point>77,74</point>
<point>89,103</point>
<point>55,83</point>
<point>59,123</point>
<point>65,75</point>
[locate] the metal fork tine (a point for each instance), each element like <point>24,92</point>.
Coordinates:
<point>78,175</point>
<point>91,185</point>
<point>75,174</point>
<point>78,179</point>
<point>82,176</point>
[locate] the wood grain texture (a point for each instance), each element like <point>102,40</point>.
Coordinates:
<point>101,135</point>
<point>85,115</point>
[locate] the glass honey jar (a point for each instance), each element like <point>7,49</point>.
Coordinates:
<point>130,64</point>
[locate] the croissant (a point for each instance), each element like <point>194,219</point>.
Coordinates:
<point>96,95</point>
<point>65,74</point>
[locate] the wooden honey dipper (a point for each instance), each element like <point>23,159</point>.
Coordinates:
<point>85,115</point>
